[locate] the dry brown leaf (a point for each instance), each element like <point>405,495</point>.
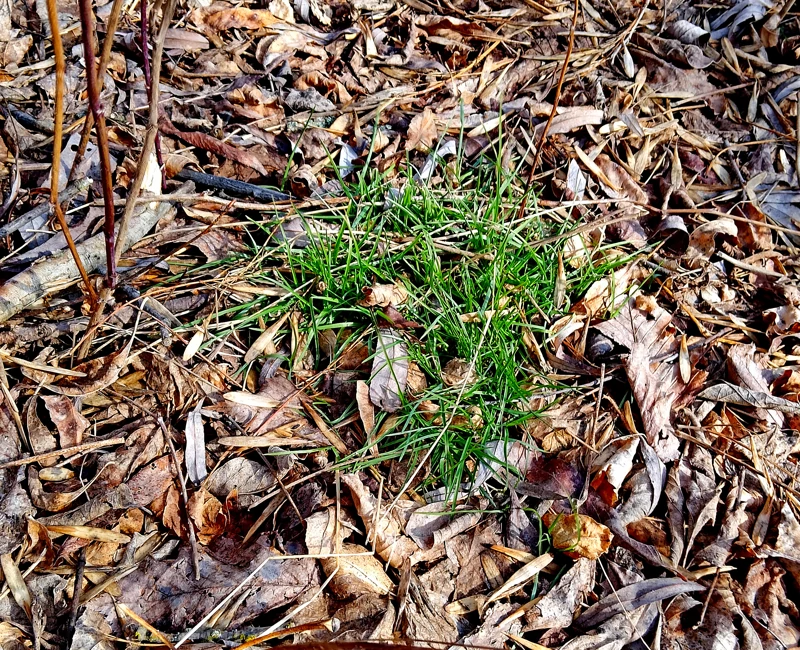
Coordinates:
<point>656,384</point>
<point>16,583</point>
<point>578,535</point>
<point>208,515</point>
<point>365,408</point>
<point>702,244</point>
<point>383,295</point>
<point>185,40</point>
<point>240,18</point>
<point>383,526</point>
<point>557,607</point>
<point>458,373</point>
<point>181,601</point>
<point>66,416</point>
<point>422,132</point>
<point>359,572</point>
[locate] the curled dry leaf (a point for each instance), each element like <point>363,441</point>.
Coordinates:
<point>208,515</point>
<point>521,577</point>
<point>702,241</point>
<point>66,416</point>
<point>578,535</point>
<point>16,583</point>
<point>612,467</point>
<point>383,295</point>
<point>459,373</point>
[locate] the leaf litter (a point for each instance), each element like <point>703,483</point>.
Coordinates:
<point>350,385</point>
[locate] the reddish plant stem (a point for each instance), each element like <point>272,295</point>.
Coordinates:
<point>148,80</point>
<point>88,34</point>
<point>58,130</point>
<point>88,123</point>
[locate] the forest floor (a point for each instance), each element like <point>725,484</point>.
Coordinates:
<point>433,322</point>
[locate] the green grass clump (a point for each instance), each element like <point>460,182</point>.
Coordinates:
<point>458,249</point>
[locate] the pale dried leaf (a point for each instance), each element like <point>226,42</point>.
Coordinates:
<point>422,132</point>
<point>195,445</point>
<point>389,371</point>
<point>359,572</point>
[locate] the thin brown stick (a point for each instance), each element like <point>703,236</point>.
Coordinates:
<point>148,79</point>
<point>77,449</point>
<point>556,99</point>
<point>93,88</point>
<point>152,126</point>
<point>58,128</point>
<point>77,590</point>
<point>105,57</point>
<point>184,493</point>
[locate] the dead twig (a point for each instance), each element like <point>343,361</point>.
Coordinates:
<point>77,449</point>
<point>96,106</point>
<point>77,590</point>
<point>105,56</point>
<point>152,126</point>
<point>145,45</point>
<point>67,194</point>
<point>553,111</point>
<point>58,125</point>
